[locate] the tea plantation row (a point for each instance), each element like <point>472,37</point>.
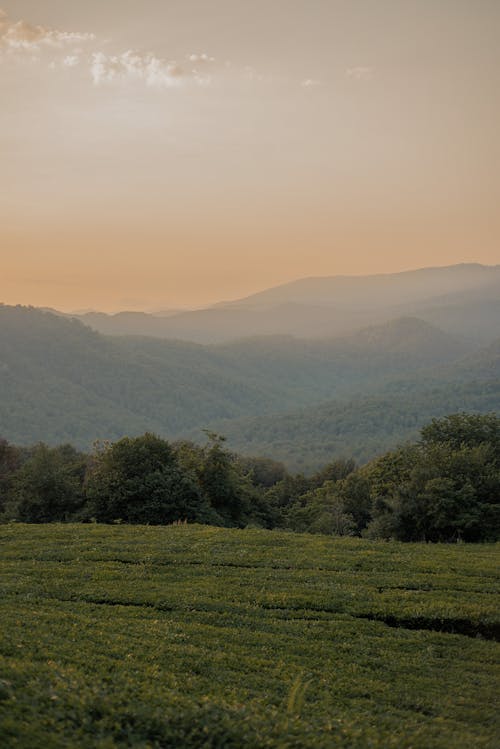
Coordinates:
<point>192,636</point>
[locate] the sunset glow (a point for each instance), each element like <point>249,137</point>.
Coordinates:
<point>170,154</point>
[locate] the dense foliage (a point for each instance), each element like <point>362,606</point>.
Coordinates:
<point>208,638</point>
<point>445,487</point>
<point>362,427</point>
<point>48,486</point>
<point>140,480</point>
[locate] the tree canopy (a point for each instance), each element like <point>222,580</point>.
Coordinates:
<point>444,487</point>
<point>140,480</point>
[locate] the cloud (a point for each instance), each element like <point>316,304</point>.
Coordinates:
<point>360,73</point>
<point>310,83</point>
<point>21,35</point>
<point>21,41</point>
<point>133,66</point>
<point>203,58</point>
<point>70,61</point>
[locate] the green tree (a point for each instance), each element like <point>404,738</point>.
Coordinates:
<point>289,489</point>
<point>140,480</point>
<point>10,462</point>
<point>48,486</point>
<point>263,472</point>
<point>466,429</point>
<point>223,482</point>
<point>444,488</point>
<point>354,492</point>
<point>320,510</point>
<point>335,471</point>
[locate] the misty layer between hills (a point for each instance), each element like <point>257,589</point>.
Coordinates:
<point>302,400</point>
<point>461,299</point>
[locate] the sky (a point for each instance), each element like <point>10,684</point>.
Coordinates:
<point>159,154</point>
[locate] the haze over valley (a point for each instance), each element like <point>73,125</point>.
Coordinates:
<point>359,391</point>
<point>463,300</point>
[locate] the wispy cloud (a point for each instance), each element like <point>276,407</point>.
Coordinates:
<point>21,35</point>
<point>153,71</point>
<point>21,40</point>
<point>200,59</point>
<point>132,66</point>
<point>360,73</point>
<point>310,83</point>
<point>70,61</point>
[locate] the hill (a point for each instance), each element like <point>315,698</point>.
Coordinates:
<point>483,365</point>
<point>376,419</point>
<point>190,636</point>
<point>361,428</point>
<point>380,290</point>
<point>462,299</point>
<point>61,381</point>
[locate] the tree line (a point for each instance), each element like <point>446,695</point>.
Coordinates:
<point>444,487</point>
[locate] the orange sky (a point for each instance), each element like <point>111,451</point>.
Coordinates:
<point>171,153</point>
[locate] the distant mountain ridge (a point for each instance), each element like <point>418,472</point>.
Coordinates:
<point>385,289</point>
<point>463,300</point>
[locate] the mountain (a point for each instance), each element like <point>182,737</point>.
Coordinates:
<point>61,381</point>
<point>484,365</point>
<point>461,299</point>
<point>361,428</point>
<point>467,315</point>
<point>127,323</point>
<point>376,291</point>
<point>372,422</point>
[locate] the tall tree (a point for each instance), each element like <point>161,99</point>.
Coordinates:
<point>10,462</point>
<point>223,482</point>
<point>140,480</point>
<point>48,486</point>
<point>446,487</point>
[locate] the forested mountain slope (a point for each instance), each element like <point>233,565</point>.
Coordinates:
<point>61,381</point>
<point>372,422</point>
<point>361,428</point>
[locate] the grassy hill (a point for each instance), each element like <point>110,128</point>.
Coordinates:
<point>188,636</point>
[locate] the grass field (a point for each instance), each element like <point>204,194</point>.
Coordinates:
<point>191,636</point>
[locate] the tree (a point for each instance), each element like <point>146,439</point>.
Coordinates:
<point>466,429</point>
<point>335,471</point>
<point>444,488</point>
<point>289,489</point>
<point>10,462</point>
<point>223,483</point>
<point>228,482</point>
<point>354,493</point>
<point>48,487</point>
<point>263,472</point>
<point>140,480</point>
<point>321,510</point>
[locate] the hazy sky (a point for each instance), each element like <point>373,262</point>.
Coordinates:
<point>164,153</point>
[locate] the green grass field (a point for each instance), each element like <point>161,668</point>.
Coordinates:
<point>191,636</point>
